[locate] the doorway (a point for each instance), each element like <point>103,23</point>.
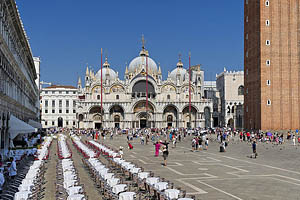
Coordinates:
<point>60,122</point>
<point>143,123</point>
<point>98,125</point>
<point>169,124</point>
<point>117,125</point>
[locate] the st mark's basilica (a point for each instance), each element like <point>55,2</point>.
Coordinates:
<point>124,101</point>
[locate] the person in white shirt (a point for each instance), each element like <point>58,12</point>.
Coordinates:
<point>2,180</point>
<point>12,170</point>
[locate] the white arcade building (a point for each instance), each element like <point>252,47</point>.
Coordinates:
<point>124,101</point>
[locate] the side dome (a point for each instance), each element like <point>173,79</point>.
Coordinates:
<point>140,63</point>
<point>179,70</point>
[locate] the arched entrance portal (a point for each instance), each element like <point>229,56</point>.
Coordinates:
<point>230,123</point>
<point>207,117</point>
<point>170,116</point>
<point>60,122</point>
<point>116,113</point>
<point>96,115</point>
<point>143,117</point>
<point>189,118</point>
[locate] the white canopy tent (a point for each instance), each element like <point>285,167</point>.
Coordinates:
<point>17,127</point>
<point>35,124</point>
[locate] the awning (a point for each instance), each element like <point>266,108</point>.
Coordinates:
<point>35,124</point>
<point>17,127</point>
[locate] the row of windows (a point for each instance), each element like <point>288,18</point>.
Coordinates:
<point>53,123</point>
<point>59,92</point>
<point>117,97</point>
<point>60,111</point>
<point>60,103</point>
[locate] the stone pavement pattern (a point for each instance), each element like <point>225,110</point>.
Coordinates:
<point>230,175</point>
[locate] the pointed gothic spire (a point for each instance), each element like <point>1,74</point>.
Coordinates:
<point>159,69</point>
<point>87,70</point>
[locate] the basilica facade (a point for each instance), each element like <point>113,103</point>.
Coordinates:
<point>124,102</point>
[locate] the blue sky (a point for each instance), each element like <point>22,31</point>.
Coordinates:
<point>67,34</point>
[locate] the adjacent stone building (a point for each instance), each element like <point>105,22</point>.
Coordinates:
<point>272,64</point>
<point>19,95</point>
<point>59,106</point>
<point>230,85</point>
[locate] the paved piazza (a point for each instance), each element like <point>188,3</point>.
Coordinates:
<point>231,175</point>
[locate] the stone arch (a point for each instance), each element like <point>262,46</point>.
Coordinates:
<point>241,90</point>
<point>187,116</point>
<point>170,110</point>
<point>207,117</point>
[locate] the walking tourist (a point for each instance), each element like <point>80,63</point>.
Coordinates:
<point>157,147</point>
<point>12,169</point>
<point>254,149</point>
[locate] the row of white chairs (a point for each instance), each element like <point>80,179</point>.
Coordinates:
<point>63,150</point>
<point>30,186</point>
<point>162,189</point>
<point>68,182</point>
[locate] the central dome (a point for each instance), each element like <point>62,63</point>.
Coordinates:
<point>106,71</point>
<point>140,63</point>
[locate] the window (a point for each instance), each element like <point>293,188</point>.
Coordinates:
<point>246,90</point>
<point>168,97</point>
<point>46,103</point>
<point>53,103</point>
<point>59,92</point>
<point>267,3</point>
<point>74,123</point>
<point>117,97</point>
<point>53,111</point>
<point>268,42</point>
<point>74,92</point>
<point>74,103</point>
<point>67,123</point>
<point>241,90</point>
<point>53,92</point>
<point>46,92</point>
<point>267,22</point>
<point>60,111</point>
<point>67,111</point>
<point>246,71</point>
<point>60,103</point>
<point>98,96</point>
<point>268,62</point>
<point>268,82</point>
<point>269,102</point>
<point>67,103</point>
<point>46,111</point>
<point>74,111</point>
<point>67,92</point>
<point>246,1</point>
<point>246,108</point>
<point>46,123</point>
<point>247,36</point>
<point>246,18</point>
<point>53,122</point>
<point>246,54</point>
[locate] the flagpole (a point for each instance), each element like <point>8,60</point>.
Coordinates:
<point>190,107</point>
<point>146,91</point>
<point>101,87</point>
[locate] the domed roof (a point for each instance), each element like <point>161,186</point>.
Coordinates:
<point>178,70</point>
<point>106,70</point>
<point>140,62</point>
